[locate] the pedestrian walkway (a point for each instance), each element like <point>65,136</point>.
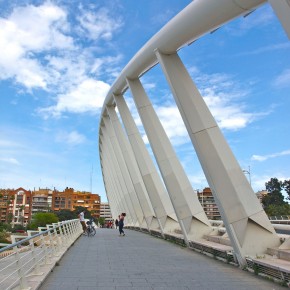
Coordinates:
<point>141,262</point>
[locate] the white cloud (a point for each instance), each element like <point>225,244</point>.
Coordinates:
<point>283,80</point>
<point>224,99</point>
<point>28,31</point>
<point>173,124</point>
<point>10,160</point>
<point>269,156</point>
<point>98,24</point>
<point>72,138</point>
<point>39,49</point>
<point>88,96</point>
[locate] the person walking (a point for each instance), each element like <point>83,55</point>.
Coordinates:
<point>83,222</point>
<point>121,223</point>
<point>116,223</point>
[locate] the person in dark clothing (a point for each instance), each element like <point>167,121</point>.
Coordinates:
<point>116,223</point>
<point>121,224</point>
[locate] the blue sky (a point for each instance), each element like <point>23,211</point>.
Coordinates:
<point>59,58</point>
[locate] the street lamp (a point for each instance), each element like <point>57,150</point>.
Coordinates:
<point>249,173</point>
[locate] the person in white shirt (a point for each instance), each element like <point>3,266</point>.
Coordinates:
<point>82,220</point>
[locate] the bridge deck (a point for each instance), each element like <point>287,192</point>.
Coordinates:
<point>140,261</point>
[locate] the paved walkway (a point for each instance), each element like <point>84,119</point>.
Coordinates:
<point>141,262</point>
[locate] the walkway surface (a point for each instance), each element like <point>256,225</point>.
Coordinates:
<point>141,262</point>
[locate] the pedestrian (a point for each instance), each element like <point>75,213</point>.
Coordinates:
<point>83,222</point>
<point>116,223</point>
<point>121,223</point>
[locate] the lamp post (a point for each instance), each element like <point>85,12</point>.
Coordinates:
<point>249,173</point>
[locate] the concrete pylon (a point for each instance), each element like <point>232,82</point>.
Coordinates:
<point>112,191</point>
<point>125,196</point>
<point>126,151</point>
<point>191,216</point>
<point>155,188</point>
<point>121,192</point>
<point>142,210</point>
<point>129,157</point>
<point>248,227</point>
<point>109,187</point>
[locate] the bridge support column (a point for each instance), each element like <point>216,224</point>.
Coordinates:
<point>144,214</point>
<point>140,189</point>
<point>282,10</point>
<point>138,153</point>
<point>111,187</point>
<point>247,224</point>
<point>191,216</point>
<point>122,196</point>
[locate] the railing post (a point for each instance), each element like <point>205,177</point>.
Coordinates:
<point>21,275</point>
<point>36,263</point>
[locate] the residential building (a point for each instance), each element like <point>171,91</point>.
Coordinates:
<point>5,197</point>
<point>208,203</point>
<point>105,211</point>
<point>70,199</point>
<point>40,200</point>
<point>62,199</point>
<point>15,206</point>
<point>88,200</point>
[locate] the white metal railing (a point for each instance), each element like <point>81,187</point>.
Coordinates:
<point>27,254</point>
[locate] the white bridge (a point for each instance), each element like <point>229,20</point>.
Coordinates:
<point>168,206</point>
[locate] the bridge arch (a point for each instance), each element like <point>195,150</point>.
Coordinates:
<point>131,180</point>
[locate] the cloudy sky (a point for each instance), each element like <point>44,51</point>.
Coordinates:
<point>59,58</point>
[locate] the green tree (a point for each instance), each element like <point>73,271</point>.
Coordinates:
<point>274,196</point>
<point>278,210</point>
<point>41,219</point>
<point>101,221</point>
<point>10,217</point>
<point>5,227</point>
<point>3,237</point>
<point>286,187</point>
<point>65,214</point>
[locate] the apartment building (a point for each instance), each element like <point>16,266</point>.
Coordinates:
<point>207,201</point>
<point>70,199</point>
<point>15,206</point>
<point>105,211</point>
<point>41,200</point>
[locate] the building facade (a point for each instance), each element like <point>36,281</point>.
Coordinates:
<point>207,201</point>
<point>105,211</point>
<point>15,206</point>
<point>70,199</point>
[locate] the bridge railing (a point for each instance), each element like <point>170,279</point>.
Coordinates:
<point>31,255</point>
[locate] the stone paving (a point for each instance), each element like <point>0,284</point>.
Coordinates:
<point>141,262</point>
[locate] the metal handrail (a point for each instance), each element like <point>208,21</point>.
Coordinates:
<point>26,257</point>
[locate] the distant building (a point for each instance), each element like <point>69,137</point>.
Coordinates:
<point>207,201</point>
<point>105,211</point>
<point>62,199</point>
<point>5,197</point>
<point>41,200</point>
<point>18,204</point>
<point>70,199</point>
<point>92,202</point>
